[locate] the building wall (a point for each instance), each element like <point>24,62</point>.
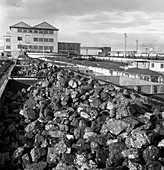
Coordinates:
<point>142,65</point>
<point>157,66</point>
<point>28,41</point>
<point>7,44</point>
<point>119,59</point>
<point>112,79</point>
<point>73,48</point>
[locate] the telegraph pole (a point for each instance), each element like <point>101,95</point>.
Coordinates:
<point>125,44</point>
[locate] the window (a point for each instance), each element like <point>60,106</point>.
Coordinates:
<point>51,48</point>
<point>35,31</point>
<point>162,89</point>
<point>45,39</point>
<point>25,46</point>
<point>146,78</point>
<point>162,65</point>
<point>35,47</point>
<point>40,47</point>
<point>30,31</point>
<point>46,47</point>
<point>19,30</point>
<point>8,47</point>
<point>50,32</point>
<point>19,46</point>
<point>155,89</point>
<point>41,39</point>
<point>45,31</point>
<point>19,38</point>
<point>35,39</point>
<point>41,31</point>
<point>30,47</point>
<point>28,38</point>
<point>24,30</point>
<point>7,39</point>
<point>152,65</point>
<point>51,40</point>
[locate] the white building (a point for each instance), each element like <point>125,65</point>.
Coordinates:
<point>39,38</point>
<point>156,65</point>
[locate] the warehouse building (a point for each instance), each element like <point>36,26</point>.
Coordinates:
<point>23,37</point>
<point>69,48</point>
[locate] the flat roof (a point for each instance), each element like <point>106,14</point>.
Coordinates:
<point>68,42</point>
<point>143,72</point>
<point>156,61</point>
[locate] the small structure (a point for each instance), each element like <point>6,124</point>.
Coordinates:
<point>105,51</point>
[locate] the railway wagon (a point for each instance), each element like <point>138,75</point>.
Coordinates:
<point>30,152</point>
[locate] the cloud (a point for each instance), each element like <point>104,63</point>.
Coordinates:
<point>71,7</point>
<point>152,6</point>
<point>79,7</point>
<point>41,9</point>
<point>115,20</point>
<point>13,3</point>
<point>96,22</point>
<point>115,40</point>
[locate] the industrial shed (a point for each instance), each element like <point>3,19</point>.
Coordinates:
<point>69,48</point>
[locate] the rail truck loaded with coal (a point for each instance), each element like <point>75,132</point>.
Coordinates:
<point>58,119</point>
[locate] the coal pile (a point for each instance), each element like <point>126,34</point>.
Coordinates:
<point>33,68</point>
<point>71,122</point>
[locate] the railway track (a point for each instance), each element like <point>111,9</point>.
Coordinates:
<point>3,69</point>
<point>4,72</point>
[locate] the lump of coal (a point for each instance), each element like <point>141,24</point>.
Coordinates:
<point>69,121</point>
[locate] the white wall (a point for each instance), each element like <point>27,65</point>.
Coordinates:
<point>157,66</point>
<point>7,43</point>
<point>15,34</point>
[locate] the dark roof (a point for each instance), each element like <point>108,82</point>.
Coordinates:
<point>45,25</point>
<point>110,66</point>
<point>106,65</point>
<point>20,25</point>
<point>143,72</point>
<point>68,43</point>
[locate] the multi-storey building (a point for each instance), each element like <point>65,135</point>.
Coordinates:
<point>23,37</point>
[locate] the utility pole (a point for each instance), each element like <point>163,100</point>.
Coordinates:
<point>125,44</point>
<point>136,46</point>
<point>43,43</point>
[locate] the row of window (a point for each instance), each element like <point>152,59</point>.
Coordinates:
<point>23,30</point>
<point>35,47</point>
<point>44,39</point>
<point>38,39</point>
<point>152,65</point>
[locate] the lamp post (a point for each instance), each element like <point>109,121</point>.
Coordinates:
<point>43,43</point>
<point>136,46</point>
<point>125,36</point>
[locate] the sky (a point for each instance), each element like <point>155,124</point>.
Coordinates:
<point>92,22</point>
